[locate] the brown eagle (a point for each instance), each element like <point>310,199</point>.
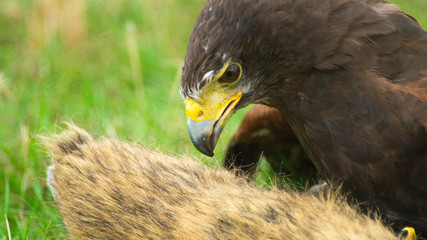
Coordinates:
<point>349,77</point>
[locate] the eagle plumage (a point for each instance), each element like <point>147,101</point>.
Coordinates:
<point>265,132</point>
<point>349,77</point>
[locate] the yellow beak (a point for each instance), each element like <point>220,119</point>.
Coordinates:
<point>207,118</point>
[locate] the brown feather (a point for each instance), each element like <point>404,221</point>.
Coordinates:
<point>265,132</point>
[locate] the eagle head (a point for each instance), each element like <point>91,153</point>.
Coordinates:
<point>236,56</point>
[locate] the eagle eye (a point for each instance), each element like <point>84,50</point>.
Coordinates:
<point>231,74</point>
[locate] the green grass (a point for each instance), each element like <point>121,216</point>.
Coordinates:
<point>116,74</point>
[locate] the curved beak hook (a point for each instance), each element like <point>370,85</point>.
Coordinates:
<point>205,122</point>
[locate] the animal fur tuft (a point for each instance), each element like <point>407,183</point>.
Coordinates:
<point>107,189</point>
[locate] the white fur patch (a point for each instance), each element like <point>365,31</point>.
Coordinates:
<point>51,181</point>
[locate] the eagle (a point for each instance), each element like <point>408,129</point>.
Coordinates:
<point>349,77</point>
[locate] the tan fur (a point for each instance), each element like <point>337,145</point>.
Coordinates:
<point>108,189</point>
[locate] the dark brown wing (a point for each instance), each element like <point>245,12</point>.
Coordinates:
<point>264,131</point>
<point>406,67</point>
<point>395,50</point>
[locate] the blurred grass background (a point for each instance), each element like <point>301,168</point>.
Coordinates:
<point>110,66</point>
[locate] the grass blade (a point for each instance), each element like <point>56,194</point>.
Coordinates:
<point>8,228</point>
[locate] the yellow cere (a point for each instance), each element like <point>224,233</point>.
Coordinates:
<point>211,108</point>
<point>213,100</point>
